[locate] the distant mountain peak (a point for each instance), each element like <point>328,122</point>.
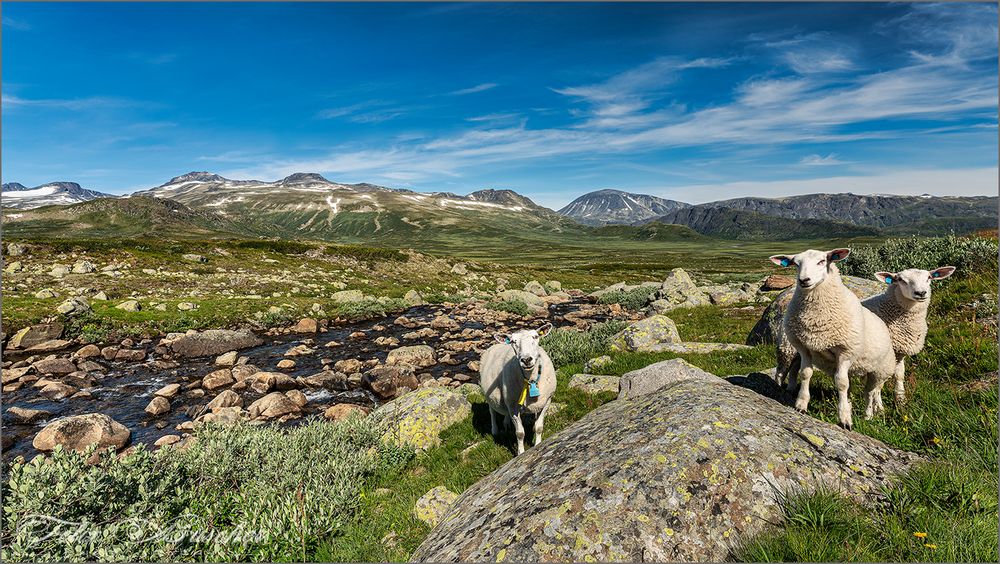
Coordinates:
<point>304,177</point>
<point>609,206</point>
<point>202,176</point>
<point>14,187</point>
<point>17,195</point>
<point>502,197</point>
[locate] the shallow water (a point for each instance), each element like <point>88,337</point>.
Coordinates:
<point>125,390</point>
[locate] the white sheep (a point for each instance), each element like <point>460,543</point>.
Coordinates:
<point>829,328</point>
<point>903,307</point>
<point>517,376</point>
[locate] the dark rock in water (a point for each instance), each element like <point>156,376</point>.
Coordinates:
<point>386,381</point>
<point>770,322</point>
<point>212,342</point>
<point>680,474</point>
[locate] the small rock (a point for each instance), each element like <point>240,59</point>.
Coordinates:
<point>46,293</point>
<point>535,288</point>
<point>58,391</point>
<point>83,267</point>
<point>227,359</point>
<point>168,391</point>
<point>185,306</point>
<point>194,258</point>
<point>167,440</point>
<point>130,305</point>
<point>24,415</point>
<point>413,298</point>
<point>418,356</point>
<point>227,398</point>
<point>273,405</point>
<point>286,364</point>
<point>432,505</point>
<point>54,366</point>
<point>73,306</point>
<point>594,383</point>
<point>100,296</point>
<point>297,397</point>
<point>158,406</point>
<point>344,410</point>
<point>306,325</point>
<point>217,379</point>
<point>88,351</point>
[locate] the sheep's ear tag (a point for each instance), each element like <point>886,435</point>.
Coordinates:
<point>936,274</point>
<point>784,262</point>
<point>533,390</point>
<point>506,340</point>
<point>835,256</point>
<point>888,279</point>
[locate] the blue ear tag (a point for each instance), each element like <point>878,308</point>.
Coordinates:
<point>533,390</point>
<point>507,340</point>
<point>784,262</point>
<point>836,256</point>
<point>888,279</point>
<point>936,274</point>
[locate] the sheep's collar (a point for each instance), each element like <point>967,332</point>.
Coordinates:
<point>530,383</point>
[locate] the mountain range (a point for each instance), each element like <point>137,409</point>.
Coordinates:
<point>307,205</point>
<point>16,195</point>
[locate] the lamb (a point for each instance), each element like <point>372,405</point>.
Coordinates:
<point>903,307</point>
<point>517,376</point>
<point>828,327</point>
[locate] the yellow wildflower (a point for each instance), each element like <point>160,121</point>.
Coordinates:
<point>920,535</point>
<point>931,546</point>
<point>936,441</point>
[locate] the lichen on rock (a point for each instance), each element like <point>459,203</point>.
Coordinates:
<point>417,418</point>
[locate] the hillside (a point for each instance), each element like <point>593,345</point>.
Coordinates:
<point>17,195</point>
<point>135,216</point>
<point>605,207</point>
<point>652,231</point>
<point>925,215</point>
<point>728,223</point>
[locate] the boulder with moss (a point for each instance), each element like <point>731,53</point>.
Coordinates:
<point>417,418</point>
<point>681,473</point>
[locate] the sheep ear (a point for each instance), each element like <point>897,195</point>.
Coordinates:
<point>782,260</point>
<point>837,254</point>
<point>942,272</point>
<point>502,338</point>
<point>887,277</point>
<point>544,329</point>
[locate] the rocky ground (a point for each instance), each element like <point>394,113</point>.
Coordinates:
<point>158,389</point>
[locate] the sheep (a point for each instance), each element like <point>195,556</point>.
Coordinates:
<point>829,329</point>
<point>903,307</point>
<point>517,376</point>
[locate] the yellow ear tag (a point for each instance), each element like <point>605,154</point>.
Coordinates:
<point>524,394</point>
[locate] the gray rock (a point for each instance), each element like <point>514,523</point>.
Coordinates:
<point>459,269</point>
<point>653,377</point>
<point>58,271</point>
<point>184,306</point>
<point>418,418</point>
<point>433,504</point>
<point>158,406</point>
<point>16,249</point>
<point>413,298</point>
<point>24,415</point>
<point>46,293</point>
<point>346,296</point>
<point>594,383</point>
<point>83,267</point>
<point>596,364</point>
<point>680,474</point>
<point>536,288</point>
<point>13,267</point>
<point>417,356</point>
<point>211,342</point>
<point>194,258</point>
<point>645,333</point>
<point>35,335</point>
<point>130,305</point>
<point>73,306</point>
<point>275,404</point>
<point>680,290</point>
<point>520,295</point>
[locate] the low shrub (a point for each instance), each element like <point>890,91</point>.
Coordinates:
<point>238,493</point>
<point>570,346</point>
<point>634,299</point>
<point>969,254</point>
<point>517,307</point>
<point>366,309</point>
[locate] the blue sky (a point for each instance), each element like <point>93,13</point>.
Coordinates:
<point>694,102</point>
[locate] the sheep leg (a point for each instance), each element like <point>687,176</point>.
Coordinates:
<point>898,376</point>
<point>842,380</point>
<point>540,424</point>
<point>518,431</point>
<point>793,370</point>
<point>805,375</point>
<point>494,428</point>
<point>873,395</point>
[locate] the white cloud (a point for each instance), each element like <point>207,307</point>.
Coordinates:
<point>816,160</point>
<point>18,25</point>
<point>474,89</point>
<point>74,104</point>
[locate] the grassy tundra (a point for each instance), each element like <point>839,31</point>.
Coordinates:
<point>945,510</point>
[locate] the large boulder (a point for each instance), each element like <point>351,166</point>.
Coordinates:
<point>679,290</point>
<point>532,300</point>
<point>418,417</point>
<point>80,431</point>
<point>212,342</point>
<point>646,333</point>
<point>35,335</point>
<point>769,324</point>
<point>680,474</point>
<point>417,356</point>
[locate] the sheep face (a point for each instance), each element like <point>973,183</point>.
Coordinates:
<point>813,266</point>
<point>525,344</point>
<point>914,284</point>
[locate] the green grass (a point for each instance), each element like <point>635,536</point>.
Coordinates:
<point>517,307</point>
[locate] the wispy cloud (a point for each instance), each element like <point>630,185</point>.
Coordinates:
<point>74,104</point>
<point>817,160</point>
<point>474,89</point>
<point>494,117</point>
<point>152,58</point>
<point>19,25</point>
<point>372,111</point>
